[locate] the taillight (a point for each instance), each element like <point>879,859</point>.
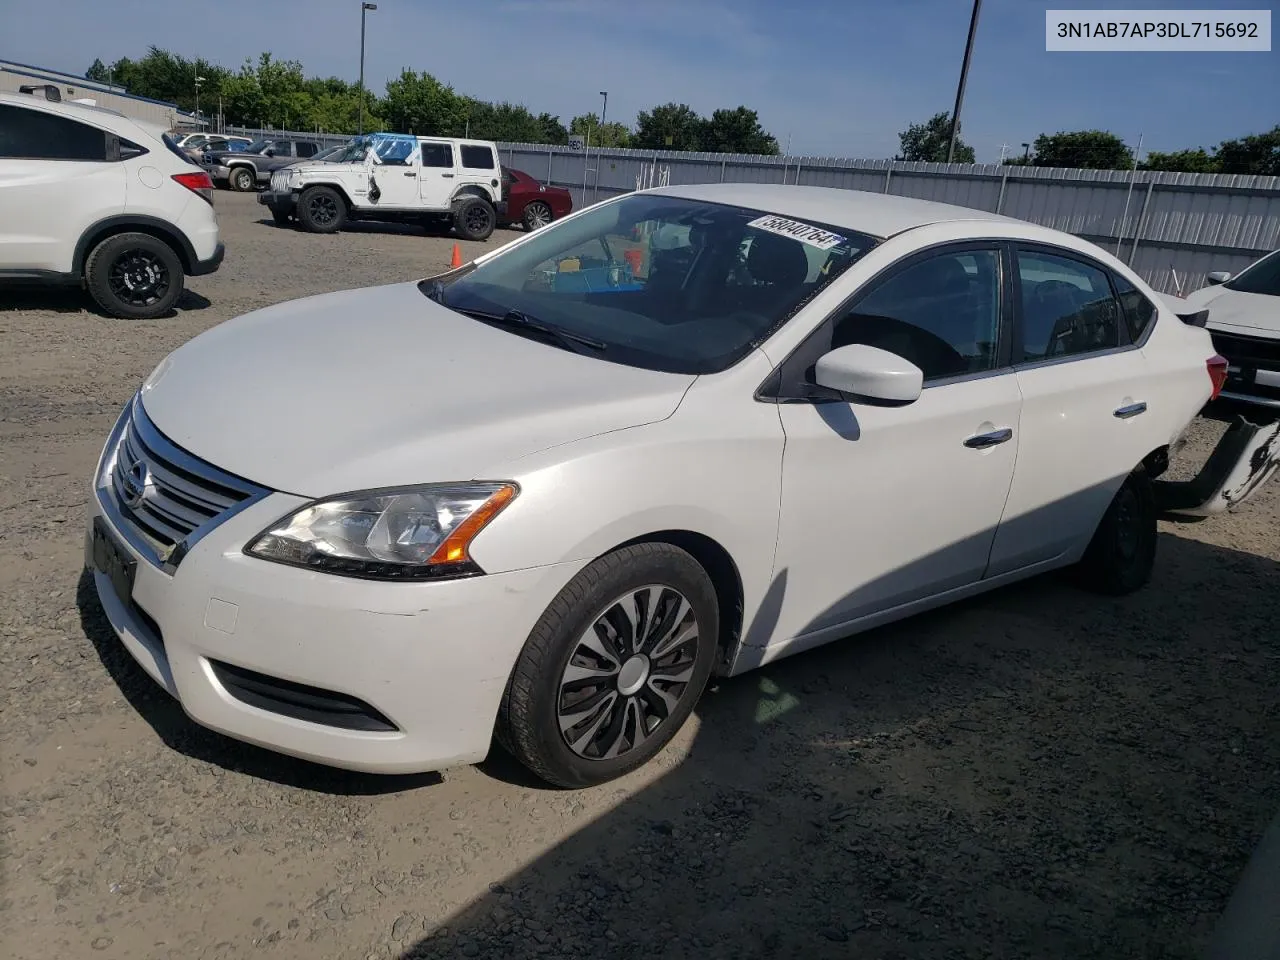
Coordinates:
<point>197,183</point>
<point>1217,367</point>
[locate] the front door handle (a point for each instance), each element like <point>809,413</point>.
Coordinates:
<point>983,440</point>
<point>1131,410</point>
<point>410,173</point>
<point>447,176</point>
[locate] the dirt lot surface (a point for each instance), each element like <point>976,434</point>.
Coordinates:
<point>1037,773</point>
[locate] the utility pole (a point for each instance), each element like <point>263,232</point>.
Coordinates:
<point>964,75</point>
<point>199,80</point>
<point>364,8</point>
<point>604,111</point>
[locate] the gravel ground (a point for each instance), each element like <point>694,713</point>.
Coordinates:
<point>1036,773</point>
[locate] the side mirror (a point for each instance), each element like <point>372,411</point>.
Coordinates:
<point>870,373</point>
<point>1218,276</point>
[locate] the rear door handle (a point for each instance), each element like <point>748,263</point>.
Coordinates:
<point>1131,410</point>
<point>410,173</point>
<point>447,176</point>
<point>994,438</point>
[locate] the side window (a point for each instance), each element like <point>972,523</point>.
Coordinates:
<point>306,150</point>
<point>1138,310</point>
<point>942,314</point>
<point>1067,307</point>
<point>437,155</point>
<point>477,158</point>
<point>37,135</point>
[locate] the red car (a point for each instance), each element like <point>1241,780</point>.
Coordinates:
<point>529,202</point>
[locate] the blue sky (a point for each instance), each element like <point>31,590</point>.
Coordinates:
<point>834,77</point>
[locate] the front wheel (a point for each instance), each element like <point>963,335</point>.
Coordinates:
<point>134,275</point>
<point>613,668</point>
<point>1122,553</point>
<point>242,179</point>
<point>474,218</point>
<point>321,210</point>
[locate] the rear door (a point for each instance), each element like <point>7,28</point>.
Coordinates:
<point>55,180</point>
<point>1087,402</point>
<point>439,173</point>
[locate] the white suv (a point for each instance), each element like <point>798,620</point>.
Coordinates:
<point>89,196</point>
<point>394,177</point>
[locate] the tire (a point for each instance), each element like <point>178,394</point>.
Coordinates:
<point>1120,557</point>
<point>282,217</point>
<point>242,179</point>
<point>474,218</point>
<point>536,216</point>
<point>628,689</point>
<point>321,210</point>
<point>134,276</point>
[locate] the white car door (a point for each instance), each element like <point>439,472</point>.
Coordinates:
<point>884,505</point>
<point>436,182</point>
<point>397,175</point>
<point>1086,398</point>
<point>55,181</point>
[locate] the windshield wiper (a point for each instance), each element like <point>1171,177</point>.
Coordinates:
<point>521,321</point>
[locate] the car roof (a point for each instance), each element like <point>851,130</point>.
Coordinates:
<point>877,214</point>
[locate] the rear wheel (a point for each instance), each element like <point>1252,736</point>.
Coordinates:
<point>321,210</point>
<point>613,668</point>
<point>134,275</point>
<point>474,218</point>
<point>1122,553</point>
<point>242,179</point>
<point>536,216</point>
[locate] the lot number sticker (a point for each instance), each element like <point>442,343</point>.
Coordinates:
<point>804,232</point>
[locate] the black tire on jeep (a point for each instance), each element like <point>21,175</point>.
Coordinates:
<point>474,218</point>
<point>321,210</point>
<point>242,179</point>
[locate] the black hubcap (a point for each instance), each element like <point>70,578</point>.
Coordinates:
<point>324,210</point>
<point>477,218</point>
<point>138,278</point>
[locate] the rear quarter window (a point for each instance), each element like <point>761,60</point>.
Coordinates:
<point>38,135</point>
<point>1138,310</point>
<point>478,158</point>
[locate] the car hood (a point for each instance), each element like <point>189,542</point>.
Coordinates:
<point>1255,313</point>
<point>382,387</point>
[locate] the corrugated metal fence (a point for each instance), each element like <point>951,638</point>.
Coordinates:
<point>1173,228</point>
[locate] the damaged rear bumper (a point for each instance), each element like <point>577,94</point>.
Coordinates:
<point>1246,457</point>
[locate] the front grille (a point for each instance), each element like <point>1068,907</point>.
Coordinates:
<point>165,495</point>
<point>300,701</point>
<point>1248,351</point>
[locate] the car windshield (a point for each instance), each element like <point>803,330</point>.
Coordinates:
<point>664,283</point>
<point>353,152</point>
<point>1262,277</point>
<point>257,146</point>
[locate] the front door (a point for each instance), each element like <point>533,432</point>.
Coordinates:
<point>883,505</point>
<point>438,174</point>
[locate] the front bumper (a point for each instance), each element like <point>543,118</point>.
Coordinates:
<point>371,676</point>
<point>282,200</point>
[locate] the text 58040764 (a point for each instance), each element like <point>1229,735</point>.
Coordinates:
<point>1158,30</point>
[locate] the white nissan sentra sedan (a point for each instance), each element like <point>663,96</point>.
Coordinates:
<point>686,431</point>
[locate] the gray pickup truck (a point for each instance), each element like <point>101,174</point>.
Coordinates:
<point>243,169</point>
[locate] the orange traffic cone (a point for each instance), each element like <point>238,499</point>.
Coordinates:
<point>456,262</point>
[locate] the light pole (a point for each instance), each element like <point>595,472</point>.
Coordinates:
<point>199,80</point>
<point>604,110</point>
<point>364,9</point>
<point>964,75</point>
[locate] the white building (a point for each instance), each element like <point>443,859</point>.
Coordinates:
<point>113,96</point>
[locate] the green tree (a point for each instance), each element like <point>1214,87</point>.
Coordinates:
<point>1181,161</point>
<point>98,71</point>
<point>928,141</point>
<point>1257,154</point>
<point>553,131</point>
<point>419,103</point>
<point>612,134</point>
<point>672,126</point>
<point>737,131</point>
<point>1083,150</point>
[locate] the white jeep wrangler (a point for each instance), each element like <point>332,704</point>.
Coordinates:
<point>434,181</point>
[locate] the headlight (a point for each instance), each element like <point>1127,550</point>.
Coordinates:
<point>415,533</point>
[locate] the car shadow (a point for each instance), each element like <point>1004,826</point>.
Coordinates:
<point>1037,772</point>
<point>166,717</point>
<point>71,299</point>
